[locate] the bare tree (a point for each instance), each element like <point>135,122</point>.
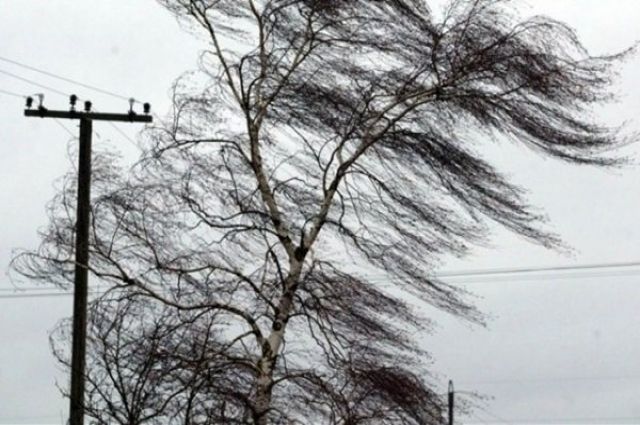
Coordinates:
<point>313,170</point>
<point>149,365</point>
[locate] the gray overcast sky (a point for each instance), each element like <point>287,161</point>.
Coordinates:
<point>554,348</point>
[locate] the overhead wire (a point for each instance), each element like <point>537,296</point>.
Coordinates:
<point>620,420</point>
<point>29,289</point>
<point>521,421</point>
<point>605,266</point>
<point>72,81</point>
<point>43,295</point>
<point>509,270</point>
<point>7,419</point>
<point>551,380</point>
<point>76,82</point>
<point>65,128</point>
<point>540,278</point>
<point>476,419</point>
<point>122,133</point>
<point>494,418</point>
<point>26,80</point>
<point>44,292</point>
<point>61,93</point>
<point>608,269</point>
<point>24,289</point>
<point>9,93</point>
<point>66,79</point>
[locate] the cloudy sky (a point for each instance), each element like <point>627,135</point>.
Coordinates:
<point>558,348</point>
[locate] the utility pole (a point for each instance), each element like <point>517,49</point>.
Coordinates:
<point>81,272</point>
<point>451,400</point>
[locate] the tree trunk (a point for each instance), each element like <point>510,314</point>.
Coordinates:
<point>271,347</point>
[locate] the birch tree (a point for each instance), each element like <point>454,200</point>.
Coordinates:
<point>313,170</point>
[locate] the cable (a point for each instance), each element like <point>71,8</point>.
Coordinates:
<point>372,280</point>
<point>12,93</point>
<point>25,293</point>
<point>552,380</point>
<point>569,420</point>
<point>72,81</point>
<point>541,278</point>
<point>478,420</point>
<point>119,130</point>
<point>6,419</point>
<point>65,128</point>
<point>62,293</point>
<point>566,420</point>
<point>25,289</point>
<point>45,295</point>
<point>122,133</point>
<point>26,80</point>
<point>493,416</point>
<point>68,80</point>
<point>513,274</point>
<point>498,271</point>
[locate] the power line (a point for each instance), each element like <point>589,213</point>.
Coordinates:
<point>490,414</point>
<point>541,278</point>
<point>477,420</point>
<point>25,292</point>
<point>115,127</point>
<point>66,79</point>
<point>475,408</point>
<point>72,81</point>
<point>12,94</point>
<point>5,419</point>
<point>26,80</point>
<point>119,130</point>
<point>65,128</point>
<point>508,381</point>
<point>31,288</point>
<point>609,269</point>
<point>500,271</point>
<point>123,134</point>
<point>45,295</point>
<point>567,420</point>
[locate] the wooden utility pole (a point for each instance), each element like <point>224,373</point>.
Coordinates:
<point>81,273</point>
<point>451,402</point>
